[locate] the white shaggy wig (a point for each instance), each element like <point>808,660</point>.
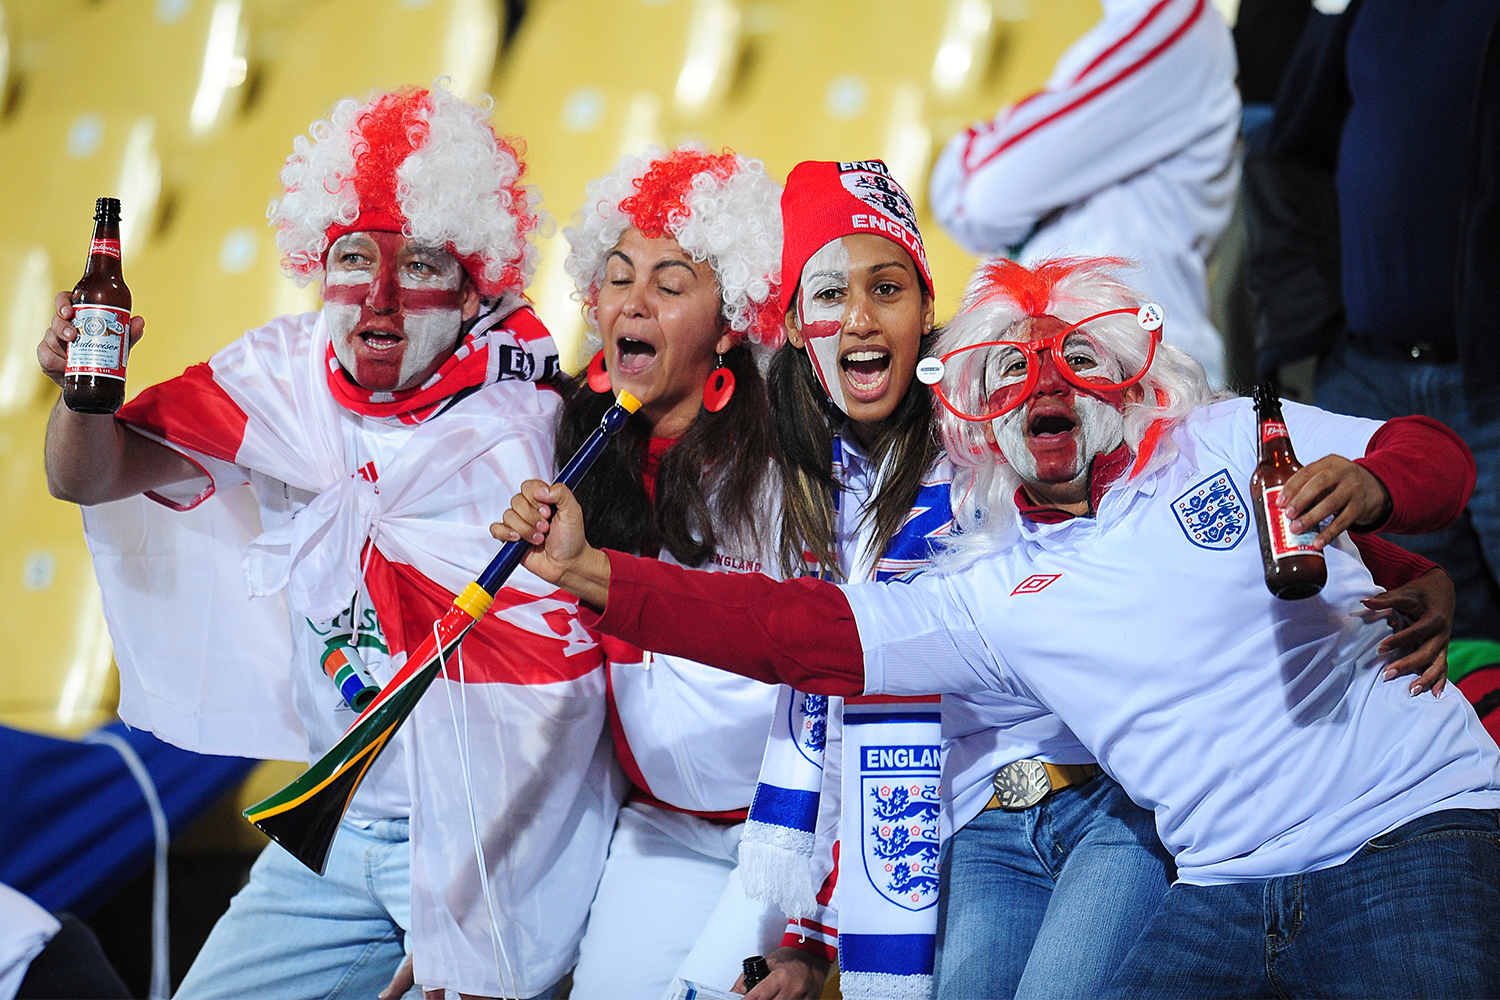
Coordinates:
<point>1002,294</point>
<point>419,162</point>
<point>724,209</point>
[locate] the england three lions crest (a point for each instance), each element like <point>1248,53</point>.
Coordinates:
<point>871,183</point>
<point>807,721</point>
<point>1212,513</point>
<point>900,801</point>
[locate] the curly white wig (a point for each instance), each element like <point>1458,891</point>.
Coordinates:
<point>724,209</point>
<point>1002,294</point>
<point>419,162</point>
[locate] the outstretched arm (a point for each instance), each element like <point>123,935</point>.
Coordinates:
<point>799,632</point>
<point>1415,476</point>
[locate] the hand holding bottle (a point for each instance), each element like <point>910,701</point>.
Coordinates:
<point>52,352</point>
<point>1334,487</point>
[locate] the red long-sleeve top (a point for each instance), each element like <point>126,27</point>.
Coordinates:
<point>758,627</point>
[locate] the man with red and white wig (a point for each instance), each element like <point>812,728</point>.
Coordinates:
<point>1325,823</point>
<point>340,466</point>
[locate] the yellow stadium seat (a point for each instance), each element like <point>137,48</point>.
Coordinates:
<point>58,678</point>
<point>893,80</point>
<point>636,73</point>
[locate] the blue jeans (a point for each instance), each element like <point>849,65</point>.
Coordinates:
<point>1414,913</point>
<point>1047,901</point>
<point>291,935</point>
<point>1361,384</point>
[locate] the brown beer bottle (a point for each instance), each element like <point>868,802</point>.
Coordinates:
<point>95,377</point>
<point>1293,569</point>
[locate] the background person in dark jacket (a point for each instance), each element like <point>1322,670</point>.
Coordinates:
<point>1374,232</point>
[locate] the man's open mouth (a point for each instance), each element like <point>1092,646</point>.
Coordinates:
<point>380,341</point>
<point>1050,424</point>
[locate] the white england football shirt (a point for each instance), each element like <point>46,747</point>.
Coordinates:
<point>1260,731</point>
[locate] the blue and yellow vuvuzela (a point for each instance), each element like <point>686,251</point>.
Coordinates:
<point>304,816</point>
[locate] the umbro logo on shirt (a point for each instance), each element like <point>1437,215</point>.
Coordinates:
<point>1033,583</point>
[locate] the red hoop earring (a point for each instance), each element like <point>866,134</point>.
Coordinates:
<point>719,389</point>
<point>598,374</point>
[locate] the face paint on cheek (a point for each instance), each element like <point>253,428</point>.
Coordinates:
<point>430,334</point>
<point>1010,438</point>
<point>820,320</point>
<point>341,320</point>
<point>1101,427</point>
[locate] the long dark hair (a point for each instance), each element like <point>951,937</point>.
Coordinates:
<point>709,488</point>
<point>805,421</point>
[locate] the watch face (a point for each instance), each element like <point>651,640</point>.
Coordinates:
<point>1022,784</point>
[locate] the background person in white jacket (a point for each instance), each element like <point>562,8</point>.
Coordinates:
<point>1129,151</point>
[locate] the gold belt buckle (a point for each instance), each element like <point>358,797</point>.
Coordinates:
<point>1022,784</point>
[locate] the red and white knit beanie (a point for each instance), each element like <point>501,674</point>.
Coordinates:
<point>825,201</point>
<point>418,162</point>
<point>720,208</point>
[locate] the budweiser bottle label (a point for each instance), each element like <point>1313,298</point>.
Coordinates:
<point>103,343</point>
<point>1270,430</point>
<point>109,248</point>
<point>1284,541</point>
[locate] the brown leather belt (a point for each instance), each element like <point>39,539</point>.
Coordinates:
<point>1024,783</point>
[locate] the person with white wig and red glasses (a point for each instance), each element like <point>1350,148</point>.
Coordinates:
<point>1325,824</point>
<point>341,467</point>
<point>675,255</point>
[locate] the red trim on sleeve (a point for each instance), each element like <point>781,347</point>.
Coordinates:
<point>1389,564</point>
<point>191,410</point>
<point>1141,25</point>
<point>825,894</point>
<point>799,632</point>
<point>171,504</point>
<point>802,940</point>
<point>1426,468</point>
<point>1088,95</point>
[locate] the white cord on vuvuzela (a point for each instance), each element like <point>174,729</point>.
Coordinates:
<point>161,969</point>
<point>462,738</point>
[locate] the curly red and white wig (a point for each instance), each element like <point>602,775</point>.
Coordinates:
<point>415,161</point>
<point>723,208</point>
<point>1001,294</point>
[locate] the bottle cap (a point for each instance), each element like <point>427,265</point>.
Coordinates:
<point>1265,394</point>
<point>756,970</point>
<point>107,210</point>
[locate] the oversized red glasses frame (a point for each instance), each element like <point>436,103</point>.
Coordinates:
<point>1149,316</point>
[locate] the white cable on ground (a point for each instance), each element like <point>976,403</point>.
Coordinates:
<point>161,967</point>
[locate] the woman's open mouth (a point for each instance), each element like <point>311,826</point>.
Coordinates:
<point>633,356</point>
<point>867,371</point>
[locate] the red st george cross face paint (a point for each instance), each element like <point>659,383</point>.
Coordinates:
<point>393,308</point>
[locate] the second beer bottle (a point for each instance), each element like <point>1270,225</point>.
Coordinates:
<point>1294,569</point>
<point>95,379</point>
